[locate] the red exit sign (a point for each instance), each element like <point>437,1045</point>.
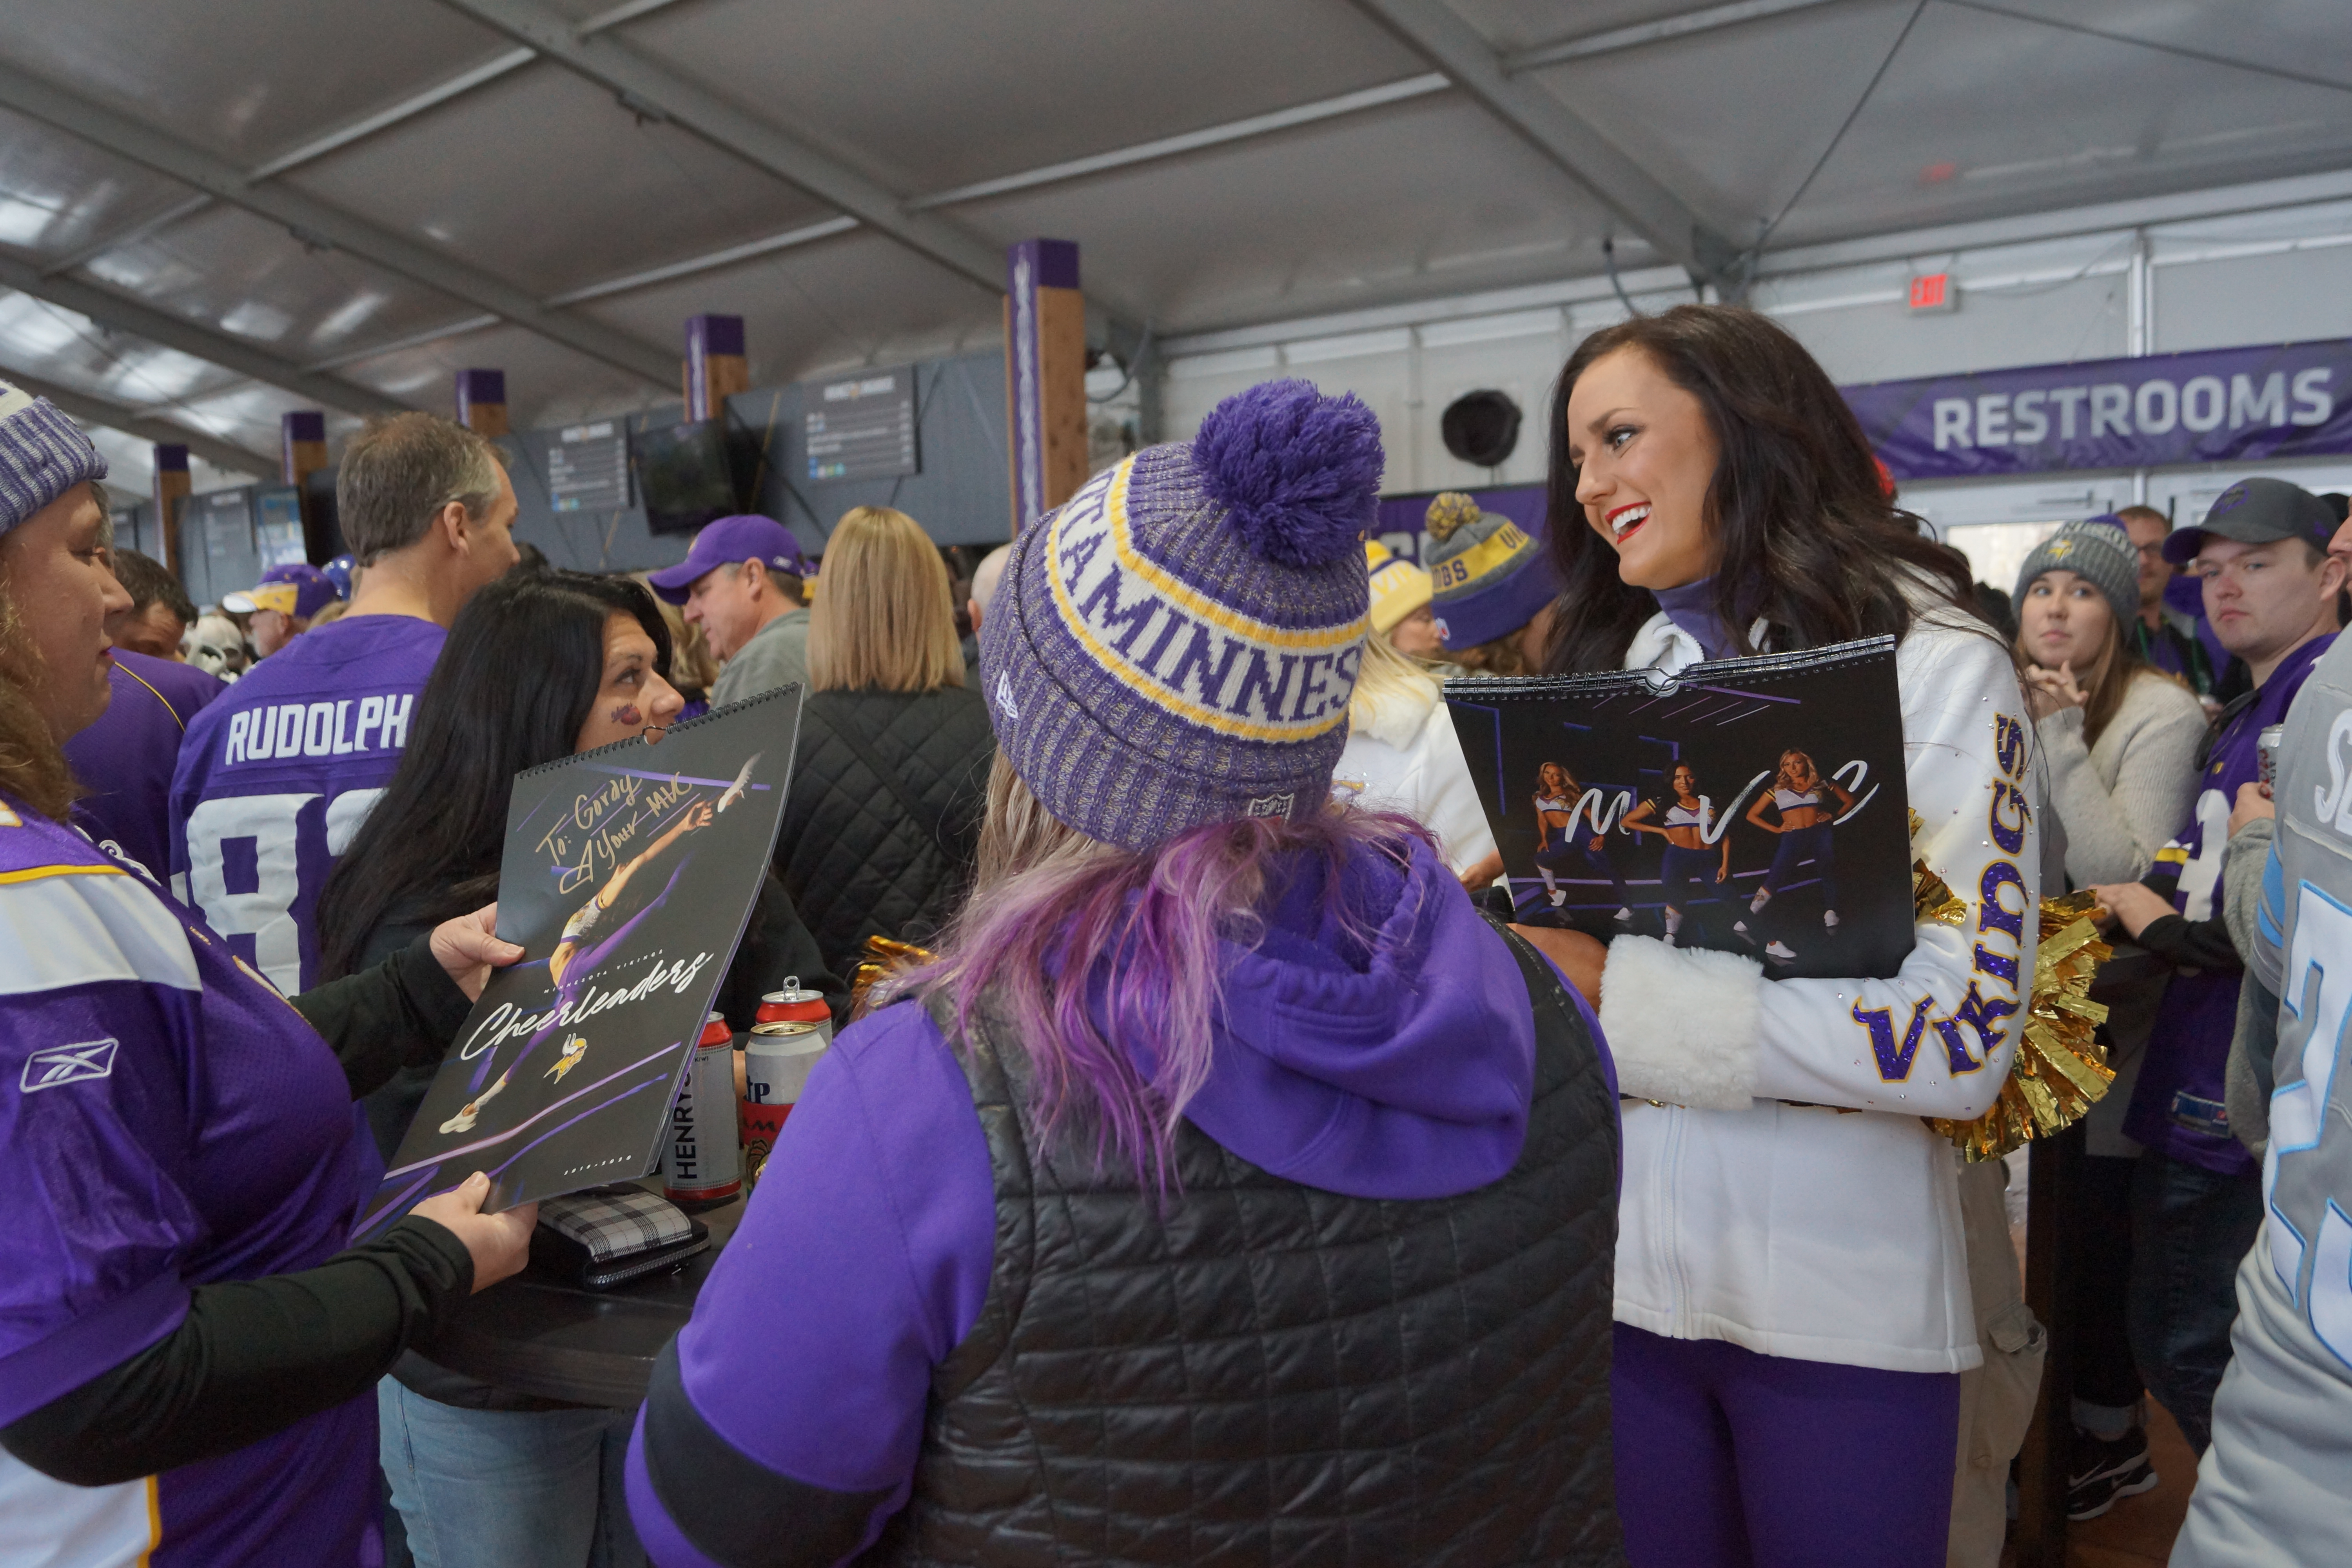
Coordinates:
<point>1935,292</point>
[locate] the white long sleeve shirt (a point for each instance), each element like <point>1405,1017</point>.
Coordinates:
<point>1801,1230</point>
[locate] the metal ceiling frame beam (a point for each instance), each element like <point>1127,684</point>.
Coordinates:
<point>1245,130</point>
<point>117,314</point>
<point>1616,40</point>
<point>1670,226</point>
<point>314,222</point>
<point>657,92</point>
<point>121,417</point>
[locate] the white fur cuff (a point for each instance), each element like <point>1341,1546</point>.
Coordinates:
<point>1682,1023</point>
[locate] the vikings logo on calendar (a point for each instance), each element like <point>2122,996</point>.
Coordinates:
<point>628,874</point>
<point>1747,805</point>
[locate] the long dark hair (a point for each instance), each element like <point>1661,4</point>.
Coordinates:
<point>1809,539</point>
<point>510,690</point>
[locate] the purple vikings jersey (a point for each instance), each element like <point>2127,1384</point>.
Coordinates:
<point>166,1120</point>
<point>2178,1106</point>
<point>125,760</point>
<point>277,776</point>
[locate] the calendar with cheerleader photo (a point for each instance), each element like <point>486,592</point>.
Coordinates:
<point>629,874</point>
<point>1750,806</point>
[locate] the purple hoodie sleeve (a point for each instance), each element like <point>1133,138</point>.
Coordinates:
<point>783,1425</point>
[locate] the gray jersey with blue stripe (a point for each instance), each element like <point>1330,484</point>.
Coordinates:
<point>2277,1487</point>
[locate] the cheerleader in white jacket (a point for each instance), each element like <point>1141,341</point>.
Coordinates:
<point>1792,1293</point>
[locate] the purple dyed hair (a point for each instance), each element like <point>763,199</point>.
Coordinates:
<point>1087,951</point>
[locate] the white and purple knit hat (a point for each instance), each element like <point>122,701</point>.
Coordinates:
<point>1176,645</point>
<point>43,455</point>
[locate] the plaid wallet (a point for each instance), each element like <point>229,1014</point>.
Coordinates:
<point>604,1236</point>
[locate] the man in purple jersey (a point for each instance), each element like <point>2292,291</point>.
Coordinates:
<point>2269,589</point>
<point>125,760</point>
<point>275,778</point>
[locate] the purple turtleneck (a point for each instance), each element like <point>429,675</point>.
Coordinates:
<point>1692,607</point>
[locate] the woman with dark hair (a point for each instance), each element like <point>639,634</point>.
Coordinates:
<point>1688,867</point>
<point>1792,1291</point>
<point>187,1344</point>
<point>1230,1188</point>
<point>538,666</point>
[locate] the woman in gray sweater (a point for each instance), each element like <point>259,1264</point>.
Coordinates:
<point>2118,742</point>
<point>2118,737</point>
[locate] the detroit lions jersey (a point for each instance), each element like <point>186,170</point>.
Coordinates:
<point>277,776</point>
<point>2276,1486</point>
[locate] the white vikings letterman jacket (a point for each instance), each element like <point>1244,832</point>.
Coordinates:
<point>1796,1229</point>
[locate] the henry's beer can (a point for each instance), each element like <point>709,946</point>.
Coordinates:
<point>790,1032</point>
<point>700,1162</point>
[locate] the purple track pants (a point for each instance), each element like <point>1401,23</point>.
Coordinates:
<point>1732,1459</point>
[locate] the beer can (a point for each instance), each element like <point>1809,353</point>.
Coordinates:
<point>2266,751</point>
<point>791,1030</point>
<point>701,1163</point>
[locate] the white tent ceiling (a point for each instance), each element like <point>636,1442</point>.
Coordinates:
<point>210,215</point>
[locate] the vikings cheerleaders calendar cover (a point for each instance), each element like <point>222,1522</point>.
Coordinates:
<point>1751,806</point>
<point>628,876</point>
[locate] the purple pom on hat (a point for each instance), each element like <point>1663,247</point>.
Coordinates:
<point>1300,472</point>
<point>1176,645</point>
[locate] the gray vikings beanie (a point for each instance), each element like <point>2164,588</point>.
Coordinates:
<point>2097,550</point>
<point>1176,645</point>
<point>43,455</point>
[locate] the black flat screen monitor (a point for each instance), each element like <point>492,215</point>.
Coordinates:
<point>684,475</point>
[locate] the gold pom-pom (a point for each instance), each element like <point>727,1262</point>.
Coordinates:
<point>1450,513</point>
<point>2061,1070</point>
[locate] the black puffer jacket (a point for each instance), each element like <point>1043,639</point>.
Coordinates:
<point>883,823</point>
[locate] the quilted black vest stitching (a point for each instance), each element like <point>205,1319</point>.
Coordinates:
<point>1269,1374</point>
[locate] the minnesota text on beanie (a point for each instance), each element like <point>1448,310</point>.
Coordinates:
<point>1490,578</point>
<point>1176,645</point>
<point>43,455</point>
<point>2097,550</point>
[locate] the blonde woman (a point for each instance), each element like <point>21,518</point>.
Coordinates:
<point>1402,754</point>
<point>2120,736</point>
<point>883,821</point>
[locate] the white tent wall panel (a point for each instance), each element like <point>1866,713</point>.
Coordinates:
<point>2268,277</point>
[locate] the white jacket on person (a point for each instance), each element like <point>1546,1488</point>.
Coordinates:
<point>1407,759</point>
<point>1797,1229</point>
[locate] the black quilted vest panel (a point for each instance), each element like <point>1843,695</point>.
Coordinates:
<point>1268,1374</point>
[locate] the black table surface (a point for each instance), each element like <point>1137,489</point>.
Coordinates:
<point>537,1336</point>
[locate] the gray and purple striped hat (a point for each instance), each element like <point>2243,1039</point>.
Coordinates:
<point>1176,644</point>
<point>43,455</point>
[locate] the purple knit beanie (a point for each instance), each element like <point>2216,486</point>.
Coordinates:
<point>1176,645</point>
<point>43,455</point>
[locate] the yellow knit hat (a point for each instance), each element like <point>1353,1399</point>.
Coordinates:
<point>1399,587</point>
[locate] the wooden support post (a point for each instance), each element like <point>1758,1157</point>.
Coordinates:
<point>2053,1189</point>
<point>482,401</point>
<point>716,366</point>
<point>1044,376</point>
<point>303,439</point>
<point>173,486</point>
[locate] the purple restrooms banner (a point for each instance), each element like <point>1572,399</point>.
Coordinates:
<point>2220,405</point>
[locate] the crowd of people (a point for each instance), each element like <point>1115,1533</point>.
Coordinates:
<point>1241,1170</point>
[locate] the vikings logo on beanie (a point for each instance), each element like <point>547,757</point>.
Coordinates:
<point>1176,645</point>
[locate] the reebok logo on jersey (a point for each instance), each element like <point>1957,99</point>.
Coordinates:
<point>62,1065</point>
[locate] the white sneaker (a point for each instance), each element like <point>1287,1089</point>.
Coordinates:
<point>1625,917</point>
<point>1739,928</point>
<point>1830,919</point>
<point>1558,897</point>
<point>1778,953</point>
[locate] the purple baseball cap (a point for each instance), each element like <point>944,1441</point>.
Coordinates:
<point>748,537</point>
<point>299,590</point>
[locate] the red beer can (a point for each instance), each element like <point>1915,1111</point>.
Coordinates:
<point>792,1029</point>
<point>701,1163</point>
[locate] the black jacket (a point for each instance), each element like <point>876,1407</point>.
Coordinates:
<point>882,825</point>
